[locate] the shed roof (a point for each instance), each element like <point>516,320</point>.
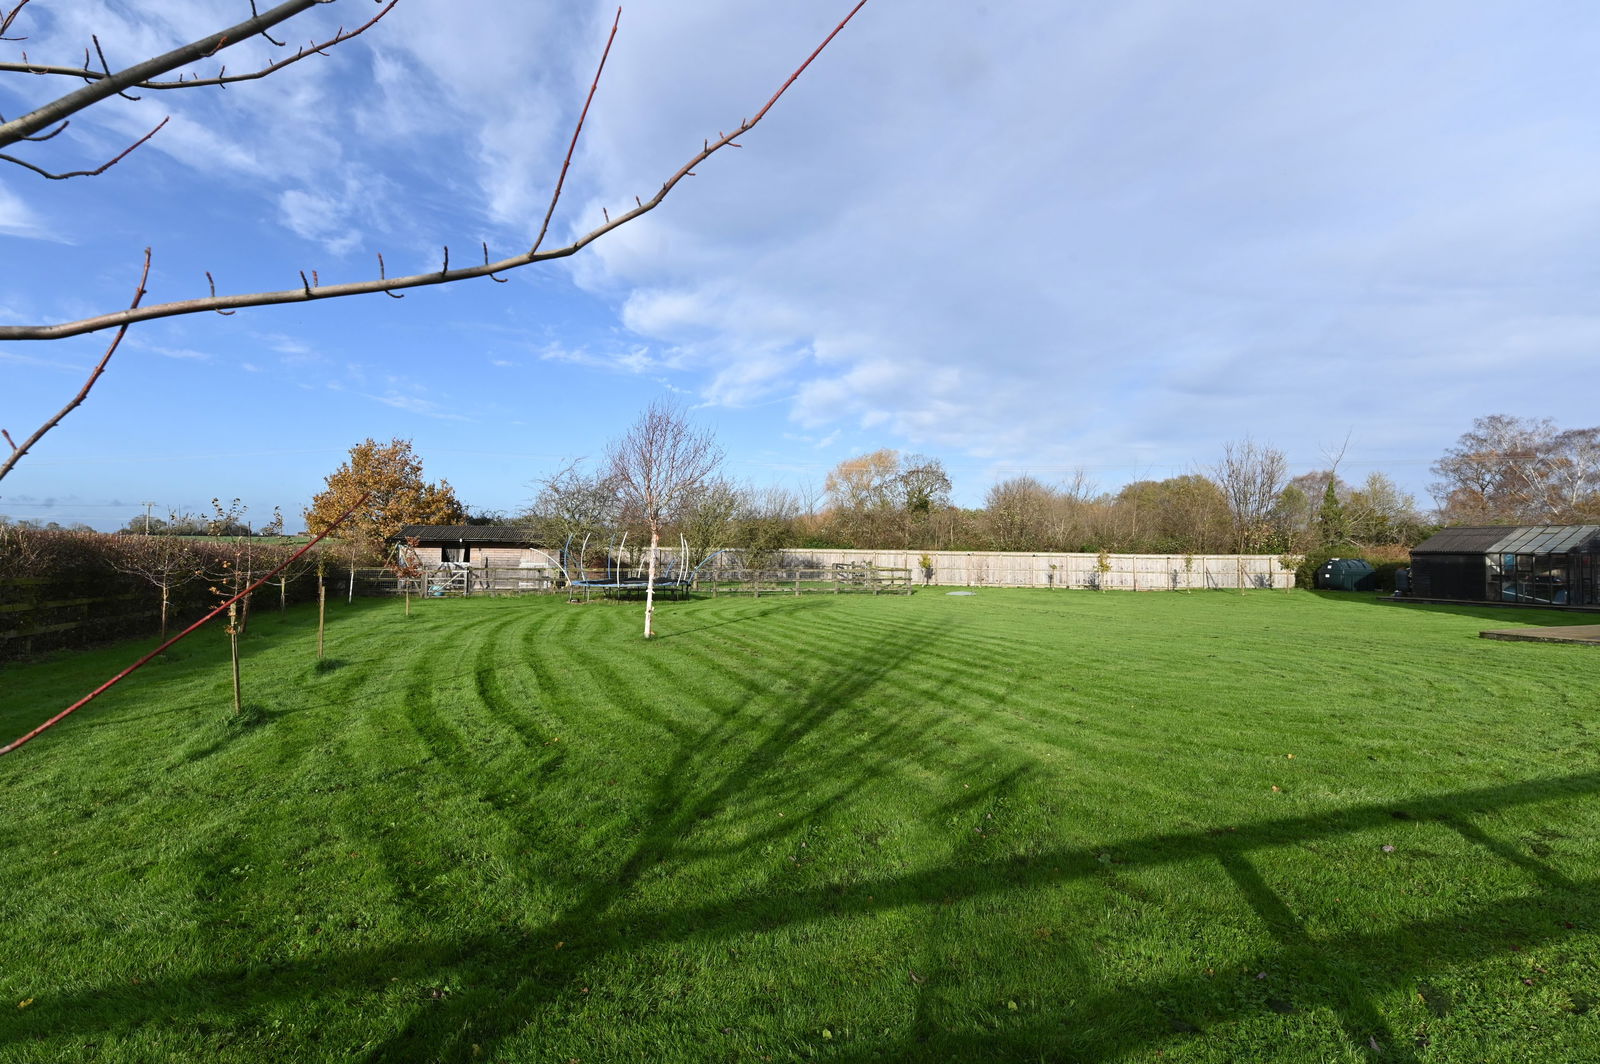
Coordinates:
<point>518,535</point>
<point>1512,539</point>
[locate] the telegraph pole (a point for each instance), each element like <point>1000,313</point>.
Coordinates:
<point>147,506</point>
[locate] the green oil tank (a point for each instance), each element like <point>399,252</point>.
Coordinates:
<point>1346,574</point>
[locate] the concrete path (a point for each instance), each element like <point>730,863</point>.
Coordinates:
<point>1577,633</point>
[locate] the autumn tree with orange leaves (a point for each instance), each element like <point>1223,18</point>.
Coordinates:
<point>390,474</point>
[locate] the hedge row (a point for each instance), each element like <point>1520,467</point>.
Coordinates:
<point>66,590</point>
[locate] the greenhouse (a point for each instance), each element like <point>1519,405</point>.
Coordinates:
<point>1543,565</point>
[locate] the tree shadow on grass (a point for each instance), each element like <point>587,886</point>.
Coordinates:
<point>500,981</point>
<point>1508,615</point>
<point>754,610</point>
<point>507,980</point>
<point>509,974</point>
<point>215,735</point>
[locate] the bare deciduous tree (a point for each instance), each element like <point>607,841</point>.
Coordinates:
<point>1519,470</point>
<point>1575,475</point>
<point>769,522</point>
<point>574,504</point>
<point>710,517</point>
<point>1379,512</point>
<point>887,497</point>
<point>1018,512</point>
<point>1251,476</point>
<point>47,120</point>
<point>865,482</point>
<point>164,561</point>
<point>657,467</point>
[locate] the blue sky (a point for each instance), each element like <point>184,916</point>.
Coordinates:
<point>1025,237</point>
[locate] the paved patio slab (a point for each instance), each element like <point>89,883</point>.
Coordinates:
<point>1575,633</point>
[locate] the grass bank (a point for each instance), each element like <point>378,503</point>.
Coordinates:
<point>1013,826</point>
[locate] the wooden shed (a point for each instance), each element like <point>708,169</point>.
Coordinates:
<point>1541,565</point>
<point>484,557</point>
<point>491,546</point>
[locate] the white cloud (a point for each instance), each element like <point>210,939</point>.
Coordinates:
<point>17,358</point>
<point>1133,231</point>
<point>20,220</point>
<point>412,404</point>
<point>318,218</point>
<point>181,354</point>
<point>1036,234</point>
<point>632,359</point>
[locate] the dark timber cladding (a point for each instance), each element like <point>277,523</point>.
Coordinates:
<point>1549,565</point>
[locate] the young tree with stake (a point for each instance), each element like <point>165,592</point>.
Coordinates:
<point>659,465</point>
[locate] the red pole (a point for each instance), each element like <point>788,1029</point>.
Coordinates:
<point>98,691</point>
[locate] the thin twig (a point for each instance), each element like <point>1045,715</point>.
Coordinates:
<point>221,78</point>
<point>492,277</point>
<point>104,66</point>
<point>65,122</point>
<point>383,275</point>
<point>142,75</point>
<point>562,178</point>
<point>97,171</point>
<point>83,393</point>
<point>11,17</point>
<point>420,280</point>
<point>213,284</point>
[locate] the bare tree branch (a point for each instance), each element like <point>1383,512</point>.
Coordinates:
<point>18,451</point>
<point>62,128</point>
<point>97,171</point>
<point>577,129</point>
<point>11,16</point>
<point>103,85</point>
<point>220,78</point>
<point>382,283</point>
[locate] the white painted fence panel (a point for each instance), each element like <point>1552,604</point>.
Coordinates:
<point>1128,572</point>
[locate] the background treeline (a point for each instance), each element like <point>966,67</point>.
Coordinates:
<point>886,500</point>
<point>1505,470</point>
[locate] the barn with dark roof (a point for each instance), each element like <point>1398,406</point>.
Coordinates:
<point>1543,565</point>
<point>474,558</point>
<point>491,546</point>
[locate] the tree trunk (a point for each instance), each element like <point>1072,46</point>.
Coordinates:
<point>650,586</point>
<point>166,599</point>
<point>322,612</point>
<point>233,642</point>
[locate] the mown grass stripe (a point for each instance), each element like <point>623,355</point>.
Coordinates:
<point>891,819</point>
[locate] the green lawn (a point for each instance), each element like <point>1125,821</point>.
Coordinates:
<point>1017,826</point>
